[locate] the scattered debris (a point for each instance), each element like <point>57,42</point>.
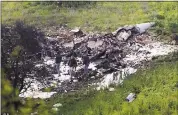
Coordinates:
<point>112,57</point>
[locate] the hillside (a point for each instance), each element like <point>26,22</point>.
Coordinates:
<point>155,84</point>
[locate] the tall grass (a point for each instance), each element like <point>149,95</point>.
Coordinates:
<point>157,86</point>
<point>157,95</point>
<point>101,16</point>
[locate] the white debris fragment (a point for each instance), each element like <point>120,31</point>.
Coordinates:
<point>128,71</point>
<point>144,26</point>
<point>49,61</point>
<point>75,30</point>
<point>123,35</point>
<point>92,77</point>
<point>108,79</point>
<point>130,97</point>
<point>70,44</point>
<point>37,94</point>
<point>38,65</point>
<point>92,66</point>
<point>51,39</point>
<point>61,77</point>
<point>98,88</point>
<point>57,105</point>
<point>34,113</point>
<point>111,89</point>
<point>93,44</point>
<point>115,78</point>
<point>75,80</point>
<point>34,90</point>
<point>126,27</point>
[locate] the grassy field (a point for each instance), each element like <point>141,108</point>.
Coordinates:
<point>157,86</point>
<point>157,93</point>
<point>98,16</point>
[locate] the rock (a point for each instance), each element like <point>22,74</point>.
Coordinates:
<point>130,97</point>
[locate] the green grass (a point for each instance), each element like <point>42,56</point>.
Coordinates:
<point>102,16</point>
<point>158,87</point>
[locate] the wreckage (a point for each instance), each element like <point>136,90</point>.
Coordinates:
<point>112,57</point>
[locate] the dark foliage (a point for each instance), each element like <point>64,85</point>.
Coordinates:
<point>20,43</point>
<point>29,37</point>
<point>173,27</point>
